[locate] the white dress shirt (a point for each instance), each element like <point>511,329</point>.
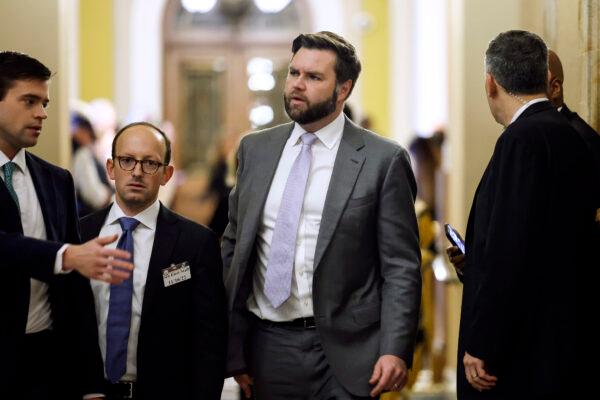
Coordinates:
<point>324,151</point>
<point>525,106</point>
<point>143,241</point>
<point>32,221</point>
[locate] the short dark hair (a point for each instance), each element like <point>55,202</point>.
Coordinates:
<point>347,64</point>
<point>518,60</point>
<point>167,158</point>
<point>16,66</point>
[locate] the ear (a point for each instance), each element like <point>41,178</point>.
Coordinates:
<point>344,90</point>
<point>167,175</point>
<point>554,89</point>
<point>110,168</point>
<point>491,86</point>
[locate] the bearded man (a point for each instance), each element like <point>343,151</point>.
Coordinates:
<point>321,254</point>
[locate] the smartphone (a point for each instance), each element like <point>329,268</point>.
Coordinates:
<point>455,238</point>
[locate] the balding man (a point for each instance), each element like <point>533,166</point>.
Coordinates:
<point>163,333</point>
<point>587,133</point>
<point>555,94</point>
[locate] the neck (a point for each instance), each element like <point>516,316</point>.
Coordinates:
<point>513,102</point>
<point>132,209</point>
<point>323,122</point>
<point>8,150</point>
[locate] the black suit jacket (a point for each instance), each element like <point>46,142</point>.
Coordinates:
<point>183,332</point>
<point>527,242</point>
<point>589,135</point>
<point>78,362</point>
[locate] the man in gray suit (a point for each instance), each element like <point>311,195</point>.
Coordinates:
<point>321,254</point>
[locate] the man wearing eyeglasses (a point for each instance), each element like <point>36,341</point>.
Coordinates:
<point>162,334</point>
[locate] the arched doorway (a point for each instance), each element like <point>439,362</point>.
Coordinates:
<point>224,71</point>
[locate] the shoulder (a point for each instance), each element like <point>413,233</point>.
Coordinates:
<point>188,227</point>
<point>53,169</point>
<point>385,149</point>
<point>259,137</point>
<point>537,128</point>
<point>93,221</point>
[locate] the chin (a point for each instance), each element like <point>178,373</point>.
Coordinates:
<point>134,199</point>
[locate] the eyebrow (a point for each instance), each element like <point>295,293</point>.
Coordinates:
<point>31,96</point>
<point>292,69</point>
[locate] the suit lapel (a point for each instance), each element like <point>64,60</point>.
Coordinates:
<point>165,239</point>
<point>91,225</point>
<point>267,159</point>
<point>44,189</point>
<point>348,163</point>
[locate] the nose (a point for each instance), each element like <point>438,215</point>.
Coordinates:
<point>295,82</point>
<point>298,83</point>
<point>41,113</point>
<point>137,170</point>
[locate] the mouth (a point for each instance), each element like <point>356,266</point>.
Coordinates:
<point>297,100</point>
<point>136,186</point>
<point>35,128</point>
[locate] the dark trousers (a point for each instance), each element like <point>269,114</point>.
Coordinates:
<point>37,369</point>
<point>289,363</point>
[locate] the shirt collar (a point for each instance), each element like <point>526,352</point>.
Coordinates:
<point>147,217</point>
<point>329,135</point>
<point>18,159</point>
<point>525,106</point>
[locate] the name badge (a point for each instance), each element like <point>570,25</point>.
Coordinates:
<point>176,273</point>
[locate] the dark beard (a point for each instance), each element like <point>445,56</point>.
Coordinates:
<point>314,112</point>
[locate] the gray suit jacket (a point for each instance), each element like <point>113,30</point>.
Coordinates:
<point>367,281</point>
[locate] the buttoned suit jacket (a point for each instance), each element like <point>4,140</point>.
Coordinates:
<point>78,360</point>
<point>366,283</point>
<point>183,330</point>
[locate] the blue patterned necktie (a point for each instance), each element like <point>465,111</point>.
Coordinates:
<point>278,280</point>
<point>119,311</point>
<point>8,169</point>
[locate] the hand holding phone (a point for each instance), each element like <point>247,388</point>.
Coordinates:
<point>455,238</point>
<point>456,253</point>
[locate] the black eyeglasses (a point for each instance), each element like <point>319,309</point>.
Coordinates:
<point>148,166</point>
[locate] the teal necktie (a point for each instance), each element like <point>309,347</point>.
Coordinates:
<point>8,168</point>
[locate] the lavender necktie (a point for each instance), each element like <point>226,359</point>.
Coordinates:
<point>278,281</point>
<point>119,311</point>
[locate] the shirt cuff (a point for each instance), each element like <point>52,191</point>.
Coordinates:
<point>93,396</point>
<point>58,263</point>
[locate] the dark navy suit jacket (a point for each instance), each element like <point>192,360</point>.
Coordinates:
<point>77,367</point>
<point>183,331</point>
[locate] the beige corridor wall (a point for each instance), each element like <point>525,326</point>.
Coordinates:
<point>38,28</point>
<point>570,27</point>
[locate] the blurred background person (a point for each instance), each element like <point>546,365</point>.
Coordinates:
<point>222,180</point>
<point>91,183</point>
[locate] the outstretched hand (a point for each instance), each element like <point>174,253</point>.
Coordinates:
<point>94,261</point>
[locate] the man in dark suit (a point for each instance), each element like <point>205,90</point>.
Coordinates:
<point>321,253</point>
<point>46,335</point>
<point>556,96</point>
<point>587,133</point>
<point>163,334</point>
<point>518,323</point>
